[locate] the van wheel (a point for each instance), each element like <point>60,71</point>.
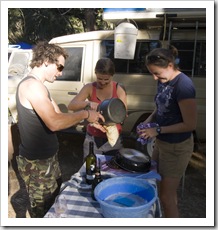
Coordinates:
<point>150,147</point>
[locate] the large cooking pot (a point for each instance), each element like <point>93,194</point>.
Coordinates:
<point>132,160</point>
<point>113,110</point>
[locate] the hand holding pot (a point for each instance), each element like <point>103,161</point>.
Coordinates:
<point>99,126</point>
<point>93,116</point>
<point>113,110</point>
<point>92,106</point>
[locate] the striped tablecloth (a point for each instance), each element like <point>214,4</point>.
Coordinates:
<point>78,193</point>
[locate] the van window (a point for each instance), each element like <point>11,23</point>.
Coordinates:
<point>72,68</point>
<point>186,55</point>
<point>137,65</point>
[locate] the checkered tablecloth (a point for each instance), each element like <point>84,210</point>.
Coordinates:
<point>78,194</point>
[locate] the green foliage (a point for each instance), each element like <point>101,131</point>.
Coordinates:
<point>15,25</point>
<point>33,24</point>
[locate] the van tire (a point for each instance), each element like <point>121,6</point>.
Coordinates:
<point>150,147</point>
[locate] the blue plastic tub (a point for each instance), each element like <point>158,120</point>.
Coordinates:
<point>125,197</point>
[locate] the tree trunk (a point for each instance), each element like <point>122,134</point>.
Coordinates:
<point>90,19</point>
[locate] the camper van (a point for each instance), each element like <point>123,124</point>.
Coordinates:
<point>84,50</point>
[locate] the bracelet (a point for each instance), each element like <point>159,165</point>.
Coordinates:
<point>88,114</point>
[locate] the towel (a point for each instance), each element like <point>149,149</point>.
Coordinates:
<point>141,126</point>
<point>112,134</point>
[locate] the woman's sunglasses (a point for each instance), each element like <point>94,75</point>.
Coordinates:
<point>60,67</point>
<point>154,58</point>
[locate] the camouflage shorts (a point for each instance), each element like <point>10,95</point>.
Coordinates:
<point>40,177</point>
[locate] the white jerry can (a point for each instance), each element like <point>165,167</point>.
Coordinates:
<point>125,37</point>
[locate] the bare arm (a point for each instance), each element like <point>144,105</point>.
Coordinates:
<point>80,100</point>
<point>36,95</point>
<point>188,110</point>
<point>57,110</point>
<point>151,117</point>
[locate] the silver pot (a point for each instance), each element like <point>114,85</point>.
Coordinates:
<point>113,110</point>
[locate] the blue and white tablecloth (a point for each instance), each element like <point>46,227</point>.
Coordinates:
<point>78,194</point>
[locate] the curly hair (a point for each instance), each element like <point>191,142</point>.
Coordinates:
<point>43,51</point>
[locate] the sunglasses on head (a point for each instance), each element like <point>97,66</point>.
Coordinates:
<point>153,58</point>
<point>60,67</point>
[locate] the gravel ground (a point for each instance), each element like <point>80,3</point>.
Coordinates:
<point>192,202</point>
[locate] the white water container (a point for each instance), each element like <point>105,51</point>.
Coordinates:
<point>125,37</point>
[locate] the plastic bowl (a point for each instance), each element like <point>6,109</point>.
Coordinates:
<point>125,197</point>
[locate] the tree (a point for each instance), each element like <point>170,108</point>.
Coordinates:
<point>15,25</point>
<point>33,24</point>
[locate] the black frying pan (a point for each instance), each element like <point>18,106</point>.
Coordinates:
<point>132,160</point>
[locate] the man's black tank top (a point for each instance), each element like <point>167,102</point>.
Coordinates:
<point>37,141</point>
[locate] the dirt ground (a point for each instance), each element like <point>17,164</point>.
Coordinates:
<point>191,199</point>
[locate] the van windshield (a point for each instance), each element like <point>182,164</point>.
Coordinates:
<point>73,65</point>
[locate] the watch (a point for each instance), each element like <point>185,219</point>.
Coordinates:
<point>158,130</point>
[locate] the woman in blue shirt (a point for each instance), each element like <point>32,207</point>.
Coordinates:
<point>176,116</point>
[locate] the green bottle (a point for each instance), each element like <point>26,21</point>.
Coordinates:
<point>90,164</point>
